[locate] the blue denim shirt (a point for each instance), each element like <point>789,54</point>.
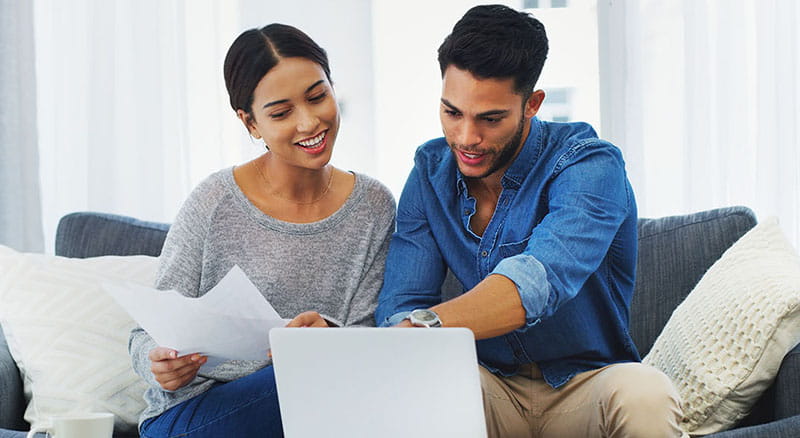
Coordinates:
<point>564,231</point>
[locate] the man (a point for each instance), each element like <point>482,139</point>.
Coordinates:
<point>537,221</point>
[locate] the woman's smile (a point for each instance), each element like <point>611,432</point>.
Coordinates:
<point>314,145</point>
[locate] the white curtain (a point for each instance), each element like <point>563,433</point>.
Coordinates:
<point>133,110</point>
<point>132,107</point>
<point>703,97</point>
<point>20,214</point>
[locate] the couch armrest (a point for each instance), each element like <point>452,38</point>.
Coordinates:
<point>12,399</point>
<point>787,386</point>
<point>785,428</point>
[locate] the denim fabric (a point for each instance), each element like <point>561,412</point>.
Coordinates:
<point>564,231</point>
<point>246,407</point>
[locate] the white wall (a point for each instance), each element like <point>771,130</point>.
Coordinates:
<point>407,35</point>
<point>344,29</point>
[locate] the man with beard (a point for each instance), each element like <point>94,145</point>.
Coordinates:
<point>537,222</point>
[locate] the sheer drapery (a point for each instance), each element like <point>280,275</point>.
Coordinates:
<point>132,108</point>
<point>704,98</point>
<point>20,212</point>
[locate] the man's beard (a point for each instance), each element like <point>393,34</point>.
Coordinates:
<point>507,153</point>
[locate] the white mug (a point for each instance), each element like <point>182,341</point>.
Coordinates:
<point>91,425</point>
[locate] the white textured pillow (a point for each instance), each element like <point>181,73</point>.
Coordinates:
<point>723,345</point>
<point>68,337</point>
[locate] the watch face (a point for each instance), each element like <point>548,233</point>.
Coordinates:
<point>425,316</point>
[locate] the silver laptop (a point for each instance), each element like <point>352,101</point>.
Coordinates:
<point>378,382</point>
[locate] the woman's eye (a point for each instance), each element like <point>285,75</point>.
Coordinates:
<point>279,115</point>
<point>451,113</point>
<point>318,97</point>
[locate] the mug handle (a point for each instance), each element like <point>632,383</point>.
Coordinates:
<point>36,430</point>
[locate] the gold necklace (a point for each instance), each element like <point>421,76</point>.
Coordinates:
<point>278,195</point>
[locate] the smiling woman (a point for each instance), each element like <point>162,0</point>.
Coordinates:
<point>280,217</point>
<point>298,123</point>
<point>293,109</point>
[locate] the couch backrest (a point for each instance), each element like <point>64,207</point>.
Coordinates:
<point>674,253</point>
<point>89,234</point>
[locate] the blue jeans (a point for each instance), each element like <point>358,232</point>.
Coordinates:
<point>241,408</point>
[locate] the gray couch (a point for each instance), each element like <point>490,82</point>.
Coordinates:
<point>674,252</point>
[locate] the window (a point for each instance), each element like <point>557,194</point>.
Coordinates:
<point>570,77</point>
<point>558,105</point>
<point>533,4</point>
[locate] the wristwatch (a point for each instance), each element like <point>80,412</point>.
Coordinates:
<point>424,318</point>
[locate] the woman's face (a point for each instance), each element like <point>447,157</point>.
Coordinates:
<point>295,112</point>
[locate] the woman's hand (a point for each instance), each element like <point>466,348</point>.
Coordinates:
<point>308,319</point>
<point>173,372</point>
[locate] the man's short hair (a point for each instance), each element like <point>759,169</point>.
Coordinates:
<point>495,41</point>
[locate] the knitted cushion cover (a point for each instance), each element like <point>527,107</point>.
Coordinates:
<point>724,344</point>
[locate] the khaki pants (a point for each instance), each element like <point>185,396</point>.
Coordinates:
<point>621,400</point>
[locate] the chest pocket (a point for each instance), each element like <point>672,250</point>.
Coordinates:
<point>514,248</point>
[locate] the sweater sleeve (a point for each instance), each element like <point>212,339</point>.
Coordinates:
<point>139,346</point>
<point>365,299</point>
<point>180,267</point>
<point>181,259</point>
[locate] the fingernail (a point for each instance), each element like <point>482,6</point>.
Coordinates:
<point>173,354</point>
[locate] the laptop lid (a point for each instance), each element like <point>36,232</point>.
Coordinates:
<point>378,382</point>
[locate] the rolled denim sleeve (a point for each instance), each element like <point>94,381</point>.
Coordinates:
<point>395,319</point>
<point>530,277</point>
<point>415,268</point>
<point>588,200</point>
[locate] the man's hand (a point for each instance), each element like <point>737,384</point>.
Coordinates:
<point>308,319</point>
<point>173,372</point>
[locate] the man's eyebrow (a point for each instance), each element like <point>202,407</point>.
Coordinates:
<point>286,100</point>
<point>450,105</point>
<point>497,112</point>
<point>493,113</point>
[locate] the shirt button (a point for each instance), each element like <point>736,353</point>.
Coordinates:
<point>505,201</point>
<point>484,253</point>
<point>467,211</point>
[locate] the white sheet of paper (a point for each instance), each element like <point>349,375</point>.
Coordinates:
<point>230,322</point>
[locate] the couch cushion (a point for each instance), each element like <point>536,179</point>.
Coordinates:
<point>88,234</point>
<point>674,252</point>
<point>68,337</point>
<point>724,344</point>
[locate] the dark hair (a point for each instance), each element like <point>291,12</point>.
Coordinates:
<point>495,41</point>
<point>257,51</point>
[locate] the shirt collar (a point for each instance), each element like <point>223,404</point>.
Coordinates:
<point>522,165</point>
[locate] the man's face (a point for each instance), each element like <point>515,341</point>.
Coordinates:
<point>484,121</point>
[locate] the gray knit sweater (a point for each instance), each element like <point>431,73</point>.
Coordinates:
<point>333,266</point>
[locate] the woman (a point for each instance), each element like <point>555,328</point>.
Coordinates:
<point>309,236</point>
